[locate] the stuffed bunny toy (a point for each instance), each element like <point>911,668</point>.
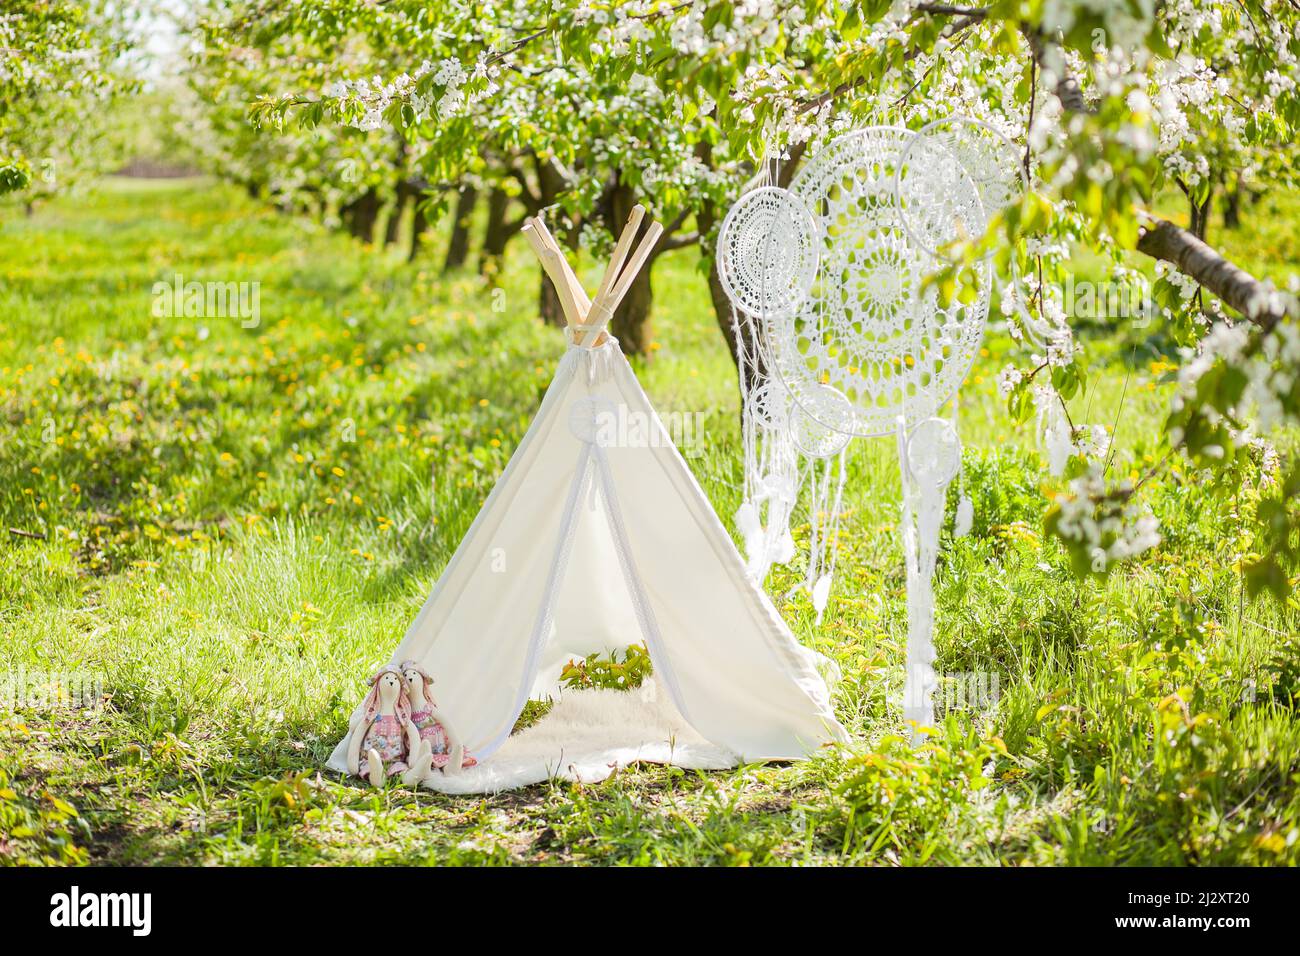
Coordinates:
<point>383,737</point>
<point>438,742</point>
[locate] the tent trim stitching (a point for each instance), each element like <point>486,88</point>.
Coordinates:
<point>636,589</point>
<point>592,469</point>
<point>545,613</point>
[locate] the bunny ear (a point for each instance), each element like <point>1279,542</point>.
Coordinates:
<point>371,702</point>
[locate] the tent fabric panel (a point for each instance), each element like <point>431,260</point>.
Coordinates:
<point>472,632</point>
<point>743,680</point>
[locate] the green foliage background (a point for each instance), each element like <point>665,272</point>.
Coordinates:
<point>217,553</point>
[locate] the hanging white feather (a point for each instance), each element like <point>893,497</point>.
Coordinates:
<point>965,517</point>
<point>784,548</point>
<point>751,531</point>
<point>821,594</point>
<point>929,458</point>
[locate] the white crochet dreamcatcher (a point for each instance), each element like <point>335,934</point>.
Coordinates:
<point>767,261</point>
<point>832,277</point>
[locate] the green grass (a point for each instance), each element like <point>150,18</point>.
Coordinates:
<point>236,525</point>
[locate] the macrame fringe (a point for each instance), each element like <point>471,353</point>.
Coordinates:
<point>774,481</point>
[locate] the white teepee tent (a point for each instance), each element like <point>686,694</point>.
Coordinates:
<point>597,536</point>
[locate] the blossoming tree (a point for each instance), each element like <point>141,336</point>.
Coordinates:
<point>59,63</point>
<point>1117,106</point>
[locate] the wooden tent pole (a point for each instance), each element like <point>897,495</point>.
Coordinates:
<point>634,266</point>
<point>621,249</point>
<point>619,274</point>
<point>575,285</point>
<point>613,270</point>
<point>553,263</point>
<point>579,293</point>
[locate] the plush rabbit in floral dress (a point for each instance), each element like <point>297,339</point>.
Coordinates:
<point>438,741</point>
<point>383,737</point>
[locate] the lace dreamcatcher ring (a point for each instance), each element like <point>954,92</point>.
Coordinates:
<point>933,452</point>
<point>938,165</point>
<point>767,252</point>
<point>768,405</point>
<point>815,439</point>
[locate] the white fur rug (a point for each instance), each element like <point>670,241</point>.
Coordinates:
<point>586,736</point>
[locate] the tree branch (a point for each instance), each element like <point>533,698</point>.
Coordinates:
<point>1067,87</point>
<point>790,165</point>
<point>669,240</point>
<point>676,224</point>
<point>669,243</point>
<point>966,19</point>
<point>947,10</point>
<point>1068,90</point>
<point>1257,301</point>
<point>531,200</point>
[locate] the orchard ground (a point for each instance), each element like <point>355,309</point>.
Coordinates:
<point>223,526</point>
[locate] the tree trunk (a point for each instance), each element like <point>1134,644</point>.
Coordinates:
<point>419,224</point>
<point>458,246</point>
<point>1200,216</point>
<point>549,186</point>
<point>631,321</point>
<point>536,199</point>
<point>360,215</point>
<point>548,303</point>
<point>724,312</point>
<point>1232,206</point>
<point>495,235</point>
<point>706,219</point>
<point>393,228</point>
